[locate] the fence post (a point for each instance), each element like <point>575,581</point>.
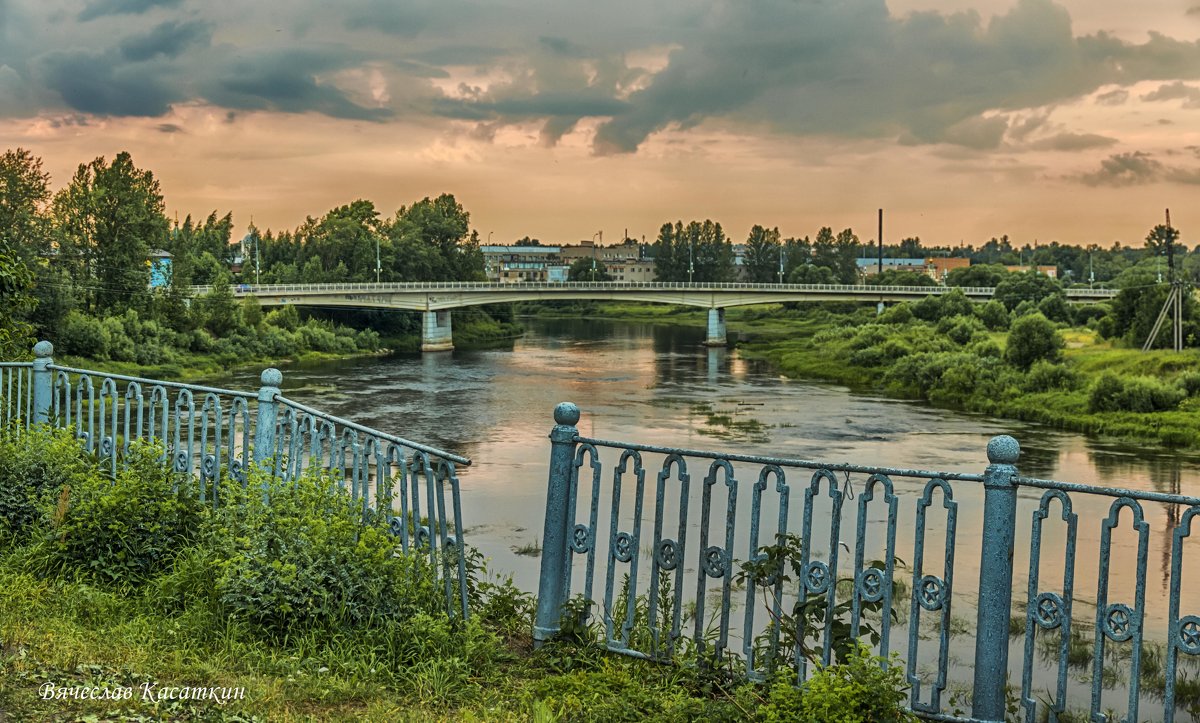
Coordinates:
<point>43,383</point>
<point>268,411</point>
<point>551,584</point>
<point>995,579</point>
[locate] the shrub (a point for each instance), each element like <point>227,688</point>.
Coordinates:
<point>34,466</point>
<point>1111,393</point>
<point>123,531</point>
<point>861,689</point>
<point>897,314</point>
<point>306,560</point>
<point>1032,338</point>
<point>1044,377</point>
<point>993,315</point>
<point>1189,382</point>
<point>1055,308</point>
<point>83,335</point>
<point>960,329</point>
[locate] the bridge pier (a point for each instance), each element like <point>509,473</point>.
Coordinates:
<point>436,332</point>
<point>716,328</point>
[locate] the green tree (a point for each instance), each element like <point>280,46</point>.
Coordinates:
<point>1032,338</point>
<point>582,270</point>
<point>763,255</point>
<point>810,274</point>
<point>16,300</point>
<point>432,241</point>
<point>977,275</point>
<point>898,277</point>
<point>221,312</point>
<point>1030,286</point>
<point>107,220</point>
<point>24,194</point>
<point>670,257</point>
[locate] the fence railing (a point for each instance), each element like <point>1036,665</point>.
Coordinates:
<point>213,433</point>
<point>657,538</point>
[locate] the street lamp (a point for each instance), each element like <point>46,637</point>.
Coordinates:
<point>691,262</point>
<point>780,263</point>
<point>601,235</point>
<point>378,266</point>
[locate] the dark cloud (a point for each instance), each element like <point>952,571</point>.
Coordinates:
<point>170,39</point>
<point>100,8</point>
<point>449,55</point>
<point>1137,168</point>
<point>287,80</point>
<point>1193,10</point>
<point>1113,97</point>
<point>978,133</point>
<point>403,19</point>
<point>91,83</point>
<point>1125,169</point>
<point>1175,91</point>
<point>852,69</point>
<point>169,128</point>
<point>1072,142</point>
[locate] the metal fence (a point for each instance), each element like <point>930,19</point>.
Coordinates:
<point>214,433</point>
<point>883,552</point>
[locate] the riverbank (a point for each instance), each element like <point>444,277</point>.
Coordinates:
<point>957,362</point>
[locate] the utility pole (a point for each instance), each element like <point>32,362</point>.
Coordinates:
<point>378,266</point>
<point>1174,302</point>
<point>881,240</point>
<point>781,261</point>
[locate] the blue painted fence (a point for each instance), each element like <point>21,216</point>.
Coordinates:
<point>656,537</point>
<point>212,433</point>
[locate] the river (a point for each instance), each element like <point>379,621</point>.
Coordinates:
<point>658,385</point>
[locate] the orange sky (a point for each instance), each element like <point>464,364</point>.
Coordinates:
<point>1074,121</point>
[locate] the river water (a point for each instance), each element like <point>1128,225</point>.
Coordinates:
<point>658,385</point>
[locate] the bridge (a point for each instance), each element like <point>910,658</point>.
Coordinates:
<point>436,299</point>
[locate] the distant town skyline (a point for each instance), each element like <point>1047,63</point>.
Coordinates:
<point>1075,121</point>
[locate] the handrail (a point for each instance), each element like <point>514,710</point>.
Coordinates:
<point>464,461</point>
<point>859,289</point>
<point>153,382</point>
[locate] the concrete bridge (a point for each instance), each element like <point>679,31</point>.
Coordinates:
<point>436,299</point>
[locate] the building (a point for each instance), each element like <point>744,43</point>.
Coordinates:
<point>516,264</point>
<point>159,262</point>
<point>939,267</point>
<point>1051,271</point>
<point>935,267</point>
<point>631,270</point>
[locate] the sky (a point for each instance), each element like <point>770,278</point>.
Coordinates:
<point>1075,121</point>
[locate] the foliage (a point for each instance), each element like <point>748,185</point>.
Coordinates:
<point>977,275</point>
<point>862,688</point>
<point>1032,338</point>
<point>1111,393</point>
<point>16,299</point>
<point>897,277</point>
<point>764,255</point>
<point>122,531</point>
<point>1045,376</point>
<point>993,315</point>
<point>1030,286</point>
<point>588,269</point>
<point>294,556</point>
<point>771,570</point>
<point>35,466</point>
<point>696,252</point>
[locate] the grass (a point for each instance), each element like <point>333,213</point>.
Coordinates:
<point>529,549</point>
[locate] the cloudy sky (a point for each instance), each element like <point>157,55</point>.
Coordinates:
<point>1075,120</point>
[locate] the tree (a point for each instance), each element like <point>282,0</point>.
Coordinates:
<point>977,275</point>
<point>16,283</point>
<point>899,277</point>
<point>431,241</point>
<point>24,194</point>
<point>810,274</point>
<point>670,259</point>
<point>1030,286</point>
<point>1032,338</point>
<point>107,220</point>
<point>763,255</point>
<point>582,270</point>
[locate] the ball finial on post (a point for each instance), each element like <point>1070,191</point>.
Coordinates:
<point>1003,449</point>
<point>271,377</point>
<point>43,349</point>
<point>566,413</point>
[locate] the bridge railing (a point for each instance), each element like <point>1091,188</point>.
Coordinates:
<point>863,290</point>
<point>978,580</point>
<point>213,433</point>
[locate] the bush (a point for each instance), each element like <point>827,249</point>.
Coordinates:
<point>1189,382</point>
<point>1032,338</point>
<point>993,315</point>
<point>1055,308</point>
<point>1111,393</point>
<point>34,466</point>
<point>861,689</point>
<point>306,560</point>
<point>1045,376</point>
<point>960,329</point>
<point>897,314</point>
<point>123,531</point>
<point>83,335</point>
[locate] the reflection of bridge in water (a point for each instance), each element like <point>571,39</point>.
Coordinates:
<point>436,299</point>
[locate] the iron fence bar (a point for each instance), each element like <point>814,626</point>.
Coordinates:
<point>784,461</point>
<point>142,380</point>
<point>417,446</point>
<point>1107,491</point>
